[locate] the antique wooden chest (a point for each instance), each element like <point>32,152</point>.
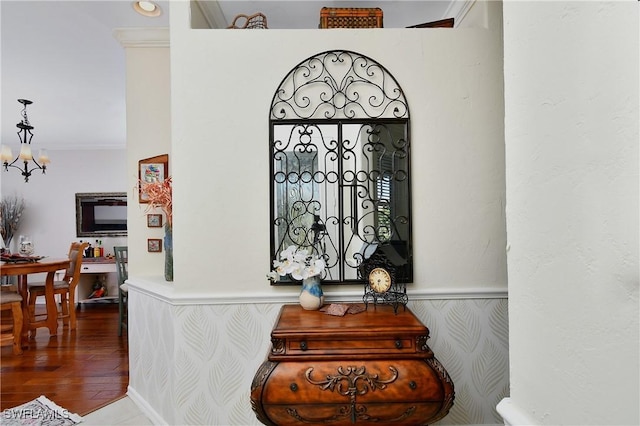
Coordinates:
<point>371,367</point>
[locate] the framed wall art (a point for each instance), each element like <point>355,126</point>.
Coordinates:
<point>153,169</point>
<point>154,245</point>
<point>154,220</point>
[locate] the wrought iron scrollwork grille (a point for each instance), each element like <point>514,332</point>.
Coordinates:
<point>340,157</point>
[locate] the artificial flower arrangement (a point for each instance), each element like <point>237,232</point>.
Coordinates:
<point>298,263</point>
<point>159,195</point>
<point>11,209</point>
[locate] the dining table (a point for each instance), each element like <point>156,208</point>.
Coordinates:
<point>22,269</point>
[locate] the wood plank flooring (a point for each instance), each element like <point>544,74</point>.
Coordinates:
<point>80,370</point>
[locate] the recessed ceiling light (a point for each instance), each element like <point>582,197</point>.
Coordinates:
<point>147,8</point>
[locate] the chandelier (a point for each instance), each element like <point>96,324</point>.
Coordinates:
<point>25,156</point>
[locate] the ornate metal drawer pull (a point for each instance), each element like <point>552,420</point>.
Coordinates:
<point>303,345</point>
<point>293,387</point>
<point>398,344</point>
<point>357,380</point>
<point>413,385</point>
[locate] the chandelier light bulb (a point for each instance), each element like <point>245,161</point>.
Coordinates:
<point>25,153</point>
<point>43,157</point>
<point>6,155</point>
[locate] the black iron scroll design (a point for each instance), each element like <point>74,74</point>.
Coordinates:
<point>340,165</point>
<point>339,84</point>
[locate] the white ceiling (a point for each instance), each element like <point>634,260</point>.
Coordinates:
<point>62,55</point>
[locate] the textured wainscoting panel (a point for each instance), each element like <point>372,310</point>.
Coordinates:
<point>471,339</point>
<point>151,353</point>
<point>221,349</point>
<point>205,378</point>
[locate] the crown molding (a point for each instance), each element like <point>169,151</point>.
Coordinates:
<point>212,13</point>
<point>142,37</point>
<point>458,10</point>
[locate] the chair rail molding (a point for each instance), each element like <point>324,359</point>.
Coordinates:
<point>158,288</point>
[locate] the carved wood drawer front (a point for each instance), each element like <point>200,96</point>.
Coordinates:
<point>399,414</point>
<point>370,368</point>
<point>388,345</point>
<point>372,381</point>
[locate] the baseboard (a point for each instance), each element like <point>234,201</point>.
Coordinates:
<point>512,414</point>
<point>146,409</point>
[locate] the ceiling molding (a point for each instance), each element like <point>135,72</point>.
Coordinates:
<point>84,147</point>
<point>212,13</point>
<point>458,10</point>
<point>142,37</point>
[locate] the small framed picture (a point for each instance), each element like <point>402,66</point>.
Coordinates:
<point>154,245</point>
<point>153,169</point>
<point>154,220</point>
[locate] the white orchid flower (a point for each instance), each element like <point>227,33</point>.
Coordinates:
<point>288,253</point>
<point>283,268</point>
<point>298,263</point>
<point>299,273</point>
<point>316,267</point>
<point>272,276</point>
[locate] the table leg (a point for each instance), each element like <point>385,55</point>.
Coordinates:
<point>52,309</point>
<point>26,315</point>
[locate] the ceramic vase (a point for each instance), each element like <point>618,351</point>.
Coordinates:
<point>168,252</point>
<point>311,296</point>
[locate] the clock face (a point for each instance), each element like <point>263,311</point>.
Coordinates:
<point>380,280</point>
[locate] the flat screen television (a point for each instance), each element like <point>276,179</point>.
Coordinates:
<point>101,214</point>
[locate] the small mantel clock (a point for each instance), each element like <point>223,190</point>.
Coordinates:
<point>381,286</point>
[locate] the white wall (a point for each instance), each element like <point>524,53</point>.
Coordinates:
<point>213,322</point>
<point>571,130</point>
<point>222,85</point>
<point>50,213</point>
<point>148,132</point>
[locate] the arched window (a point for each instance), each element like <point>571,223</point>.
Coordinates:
<point>340,165</point>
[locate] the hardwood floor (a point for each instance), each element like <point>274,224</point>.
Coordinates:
<point>80,370</point>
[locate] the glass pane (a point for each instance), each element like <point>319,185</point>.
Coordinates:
<point>342,191</point>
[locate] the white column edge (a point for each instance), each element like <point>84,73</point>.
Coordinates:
<point>511,414</point>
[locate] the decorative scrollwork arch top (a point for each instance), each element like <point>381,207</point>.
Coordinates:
<point>339,84</point>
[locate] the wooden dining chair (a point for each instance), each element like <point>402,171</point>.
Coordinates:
<point>66,288</point>
<point>12,333</point>
<point>122,266</point>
